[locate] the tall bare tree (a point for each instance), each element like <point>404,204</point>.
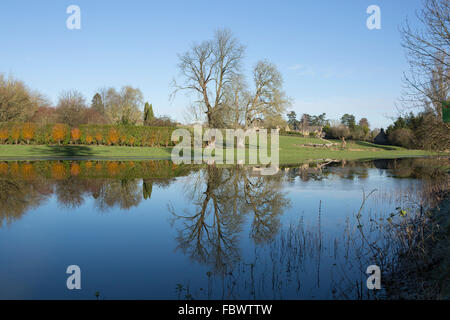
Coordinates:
<point>268,99</point>
<point>427,52</point>
<point>207,69</point>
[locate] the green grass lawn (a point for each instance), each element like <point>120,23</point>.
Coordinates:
<point>295,140</point>
<point>292,150</point>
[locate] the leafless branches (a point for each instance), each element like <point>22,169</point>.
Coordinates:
<point>427,51</point>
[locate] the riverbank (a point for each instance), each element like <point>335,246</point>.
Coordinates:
<point>424,272</point>
<point>292,150</point>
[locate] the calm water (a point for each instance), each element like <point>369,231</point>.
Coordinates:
<point>154,230</point>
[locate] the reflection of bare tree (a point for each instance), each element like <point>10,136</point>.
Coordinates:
<point>16,197</point>
<point>210,233</point>
<point>70,192</point>
<point>265,201</point>
<point>122,193</point>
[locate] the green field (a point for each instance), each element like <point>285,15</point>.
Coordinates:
<point>292,150</point>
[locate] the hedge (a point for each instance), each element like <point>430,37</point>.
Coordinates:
<point>60,170</point>
<point>32,133</point>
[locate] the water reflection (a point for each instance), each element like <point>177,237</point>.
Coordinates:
<point>229,221</point>
<point>27,185</point>
<point>223,199</point>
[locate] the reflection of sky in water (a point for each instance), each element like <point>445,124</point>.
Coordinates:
<point>132,253</point>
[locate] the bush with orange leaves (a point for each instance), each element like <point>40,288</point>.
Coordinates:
<point>28,130</point>
<point>14,168</point>
<point>113,168</point>
<point>59,132</point>
<point>89,139</point>
<point>75,135</point>
<point>113,136</point>
<point>28,172</point>
<point>3,168</point>
<point>75,169</point>
<point>40,134</point>
<point>123,139</point>
<point>98,137</point>
<point>58,171</point>
<point>4,134</point>
<point>15,134</point>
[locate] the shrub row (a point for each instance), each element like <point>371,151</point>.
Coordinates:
<point>59,170</point>
<point>31,133</point>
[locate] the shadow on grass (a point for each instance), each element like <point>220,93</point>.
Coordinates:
<point>373,145</point>
<point>64,151</point>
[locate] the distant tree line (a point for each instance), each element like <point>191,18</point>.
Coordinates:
<point>346,127</point>
<point>18,103</point>
<point>420,131</point>
<point>306,120</point>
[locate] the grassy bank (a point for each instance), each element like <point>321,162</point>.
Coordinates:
<point>423,271</point>
<point>292,150</point>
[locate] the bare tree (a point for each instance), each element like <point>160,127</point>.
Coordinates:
<point>123,107</point>
<point>236,97</point>
<point>268,99</point>
<point>207,68</point>
<point>427,52</point>
<point>71,107</point>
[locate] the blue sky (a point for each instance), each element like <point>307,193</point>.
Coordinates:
<point>330,61</point>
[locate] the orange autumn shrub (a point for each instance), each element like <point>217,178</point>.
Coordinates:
<point>75,169</point>
<point>75,135</point>
<point>89,139</point>
<point>113,136</point>
<point>123,139</point>
<point>3,168</point>
<point>58,171</point>
<point>58,132</point>
<point>14,169</point>
<point>88,165</point>
<point>28,130</point>
<point>15,134</point>
<point>4,134</point>
<point>98,166</point>
<point>113,168</point>
<point>98,137</point>
<point>28,171</point>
